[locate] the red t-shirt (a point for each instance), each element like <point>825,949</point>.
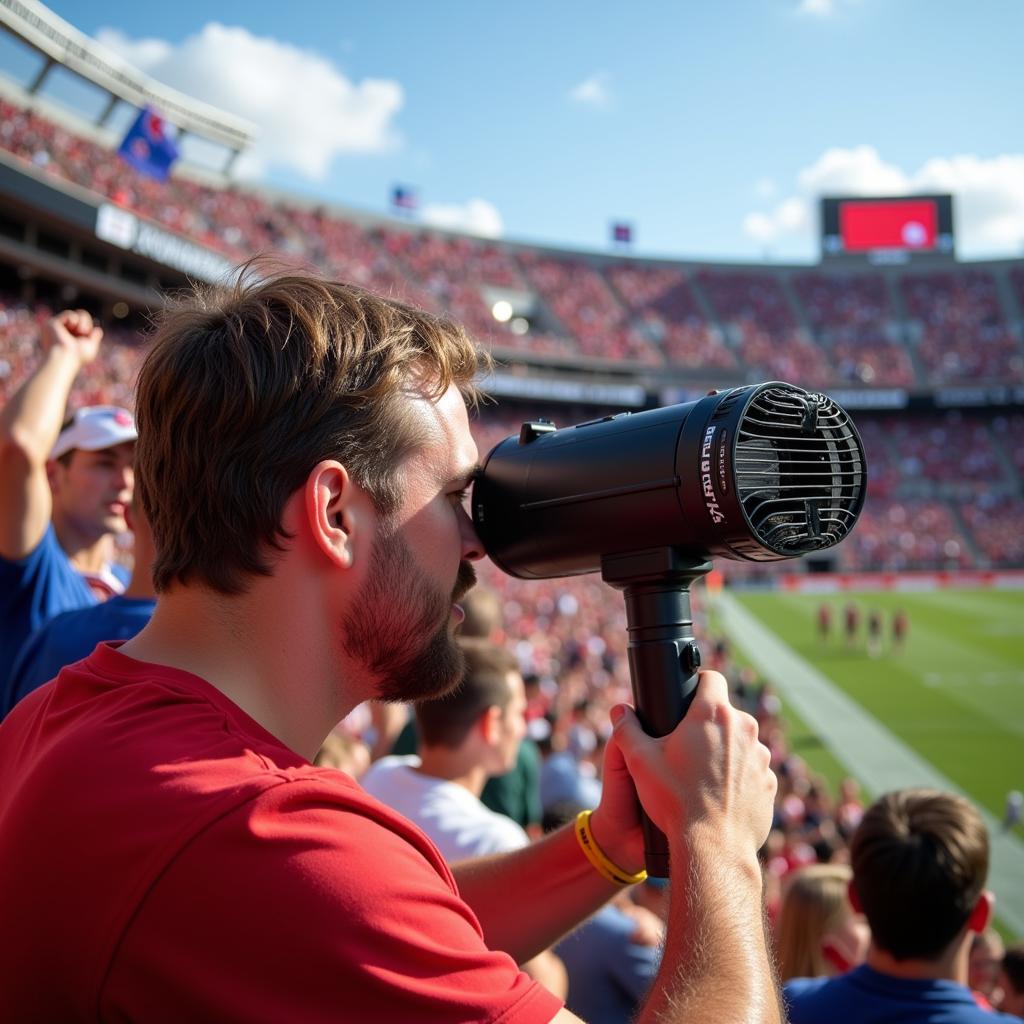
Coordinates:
<point>164,858</point>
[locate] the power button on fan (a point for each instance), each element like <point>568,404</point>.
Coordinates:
<point>689,658</point>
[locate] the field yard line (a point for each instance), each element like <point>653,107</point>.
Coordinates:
<point>869,751</point>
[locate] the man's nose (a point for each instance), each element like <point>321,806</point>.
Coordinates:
<point>472,547</point>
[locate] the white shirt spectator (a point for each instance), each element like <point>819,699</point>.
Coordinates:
<point>455,820</point>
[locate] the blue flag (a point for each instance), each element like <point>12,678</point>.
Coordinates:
<point>147,146</point>
<point>404,198</point>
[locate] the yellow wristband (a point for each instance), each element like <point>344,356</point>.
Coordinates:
<point>602,865</point>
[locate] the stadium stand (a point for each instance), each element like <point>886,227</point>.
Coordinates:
<point>850,314</point>
<point>962,332</point>
<point>663,305</point>
<point>944,488</point>
<point>918,515</point>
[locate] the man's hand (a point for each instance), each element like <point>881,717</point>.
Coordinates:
<point>30,424</point>
<point>710,776</point>
<point>708,786</point>
<point>73,331</point>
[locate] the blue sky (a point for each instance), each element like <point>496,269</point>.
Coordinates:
<point>712,127</point>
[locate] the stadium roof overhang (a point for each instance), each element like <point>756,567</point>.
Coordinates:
<point>61,43</point>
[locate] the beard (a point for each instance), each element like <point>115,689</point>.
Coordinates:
<point>401,627</point>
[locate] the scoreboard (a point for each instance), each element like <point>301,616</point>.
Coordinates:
<point>896,229</point>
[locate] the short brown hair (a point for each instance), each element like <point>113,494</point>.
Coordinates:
<point>447,721</point>
<point>920,861</point>
<point>248,386</point>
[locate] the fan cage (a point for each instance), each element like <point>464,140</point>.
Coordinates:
<point>799,469</point>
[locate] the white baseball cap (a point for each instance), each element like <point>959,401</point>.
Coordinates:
<point>96,427</point>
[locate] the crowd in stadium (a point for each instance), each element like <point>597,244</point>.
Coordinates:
<point>929,509</point>
<point>823,328</point>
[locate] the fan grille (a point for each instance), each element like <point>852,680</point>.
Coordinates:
<point>800,470</point>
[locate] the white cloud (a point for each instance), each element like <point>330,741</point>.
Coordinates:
<point>989,199</point>
<point>988,196</point>
<point>594,91</point>
<point>860,171</point>
<point>308,111</point>
<point>790,217</point>
<point>475,217</point>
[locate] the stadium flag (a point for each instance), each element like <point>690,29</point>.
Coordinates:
<point>147,147</point>
<point>404,198</point>
<point>622,233</point>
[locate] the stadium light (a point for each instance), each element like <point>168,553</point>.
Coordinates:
<point>502,311</point>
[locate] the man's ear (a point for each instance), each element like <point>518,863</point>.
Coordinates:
<point>332,511</point>
<point>490,722</point>
<point>851,892</point>
<point>982,912</point>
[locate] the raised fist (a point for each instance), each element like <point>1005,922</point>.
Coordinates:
<point>75,331</point>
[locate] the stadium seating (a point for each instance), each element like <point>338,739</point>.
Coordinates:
<point>816,328</point>
<point>850,314</point>
<point>963,335</point>
<point>944,490</point>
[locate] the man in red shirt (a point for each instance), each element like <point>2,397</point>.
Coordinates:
<point>167,850</point>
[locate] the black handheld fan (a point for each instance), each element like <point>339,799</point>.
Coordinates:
<point>759,473</point>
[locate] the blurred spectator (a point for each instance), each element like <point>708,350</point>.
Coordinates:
<point>463,738</point>
<point>344,753</point>
<point>65,488</point>
<point>612,958</point>
<point>818,933</point>
<point>1014,809</point>
<point>920,861</point>
<point>983,965</point>
<point>1011,980</point>
<point>72,635</point>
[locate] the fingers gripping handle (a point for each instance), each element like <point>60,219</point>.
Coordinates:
<point>664,691</point>
<point>663,655</point>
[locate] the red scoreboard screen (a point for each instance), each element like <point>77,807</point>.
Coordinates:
<point>891,230</point>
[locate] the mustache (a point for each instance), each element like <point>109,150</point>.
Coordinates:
<point>464,581</point>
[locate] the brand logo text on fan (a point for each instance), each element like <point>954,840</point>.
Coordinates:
<point>710,500</point>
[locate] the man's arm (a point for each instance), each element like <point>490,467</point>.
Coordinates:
<point>709,787</point>
<point>29,425</point>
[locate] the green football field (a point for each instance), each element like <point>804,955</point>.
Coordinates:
<point>954,693</point>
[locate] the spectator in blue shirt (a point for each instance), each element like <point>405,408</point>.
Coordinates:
<point>65,489</point>
<point>920,862</point>
<point>613,957</point>
<point>73,635</point>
